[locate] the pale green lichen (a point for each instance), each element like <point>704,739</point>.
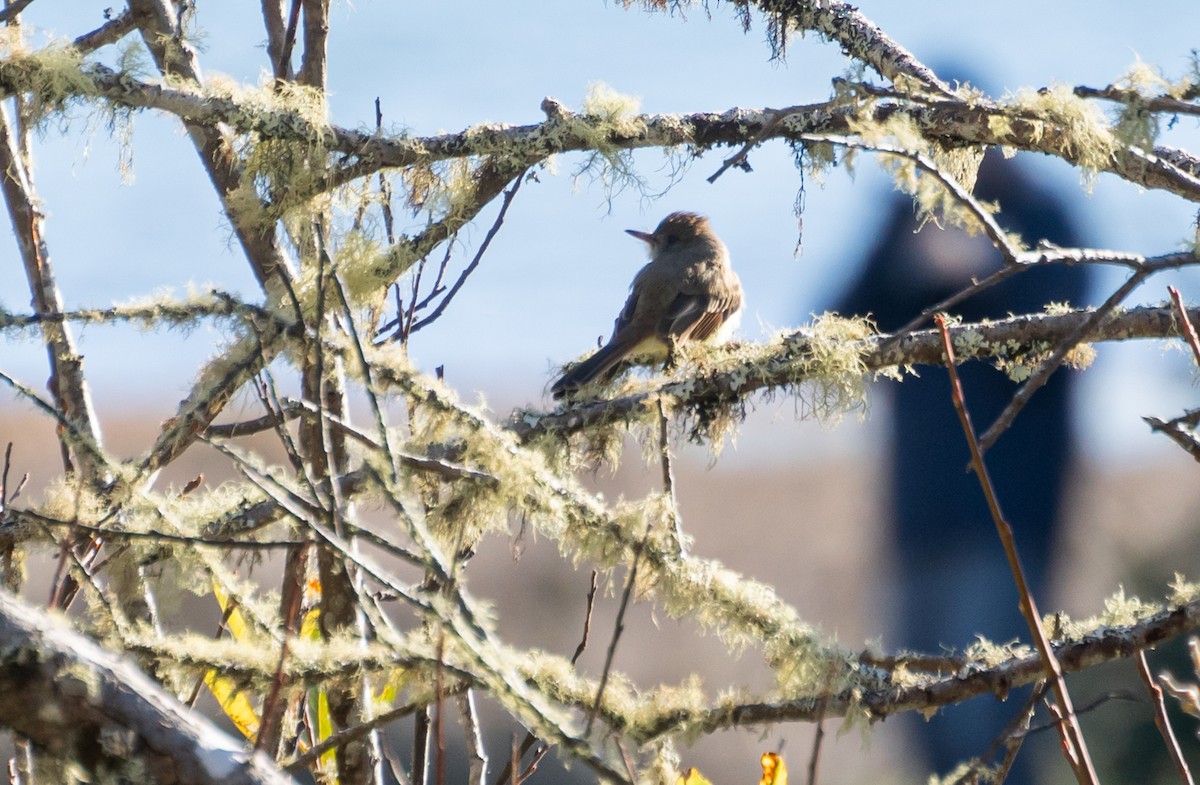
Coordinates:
<point>934,199</point>
<point>606,115</point>
<point>1074,126</point>
<point>1183,591</point>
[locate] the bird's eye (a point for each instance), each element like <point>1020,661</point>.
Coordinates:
<point>672,239</point>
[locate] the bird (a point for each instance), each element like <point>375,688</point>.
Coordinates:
<point>687,293</point>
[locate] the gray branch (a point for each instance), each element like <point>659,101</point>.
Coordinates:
<point>1017,335</point>
<point>78,703</point>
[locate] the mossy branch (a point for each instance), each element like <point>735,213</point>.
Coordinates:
<point>781,364</point>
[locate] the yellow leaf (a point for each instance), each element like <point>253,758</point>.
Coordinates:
<point>234,703</point>
<point>232,700</point>
<point>692,777</point>
<point>774,772</point>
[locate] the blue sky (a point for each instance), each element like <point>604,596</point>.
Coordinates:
<point>558,272</point>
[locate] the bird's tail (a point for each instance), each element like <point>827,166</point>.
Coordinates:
<point>605,359</point>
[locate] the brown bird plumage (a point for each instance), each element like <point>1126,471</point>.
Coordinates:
<point>688,292</point>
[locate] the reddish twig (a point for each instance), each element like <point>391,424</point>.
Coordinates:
<point>814,761</point>
<point>1074,747</point>
<point>1189,332</point>
<point>1160,710</point>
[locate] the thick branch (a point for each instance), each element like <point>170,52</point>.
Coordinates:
<point>953,121</point>
<point>67,382</point>
<point>1030,334</point>
<point>97,710</point>
<point>1105,645</point>
<point>858,36</point>
<point>173,55</point>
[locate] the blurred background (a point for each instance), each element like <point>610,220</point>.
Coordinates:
<point>807,507</point>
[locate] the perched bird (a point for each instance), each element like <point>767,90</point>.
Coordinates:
<point>688,292</point>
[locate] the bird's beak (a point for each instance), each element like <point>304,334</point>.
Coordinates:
<point>643,236</point>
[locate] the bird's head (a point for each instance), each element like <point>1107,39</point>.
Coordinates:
<point>676,228</point>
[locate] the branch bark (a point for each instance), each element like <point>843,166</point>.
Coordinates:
<point>78,703</point>
<point>1001,338</point>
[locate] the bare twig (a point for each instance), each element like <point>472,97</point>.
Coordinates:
<point>1010,738</point>
<point>110,32</point>
<point>510,771</point>
<point>1174,430</point>
<point>1074,746</point>
<point>619,626</point>
<point>1061,349</point>
<point>470,268</point>
<point>342,737</point>
<point>12,9</point>
<point>814,758</point>
<point>476,754</point>
<point>961,194</point>
<point>1189,332</point>
<point>1161,720</point>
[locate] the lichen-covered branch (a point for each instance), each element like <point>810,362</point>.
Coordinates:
<point>1103,645</point>
<point>857,35</point>
<point>782,364</point>
<point>77,703</point>
<point>67,383</point>
<point>1019,126</point>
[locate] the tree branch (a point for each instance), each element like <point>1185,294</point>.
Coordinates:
<point>785,364</point>
<point>94,706</point>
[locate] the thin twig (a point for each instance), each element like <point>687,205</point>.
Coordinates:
<point>12,9</point>
<point>668,478</point>
<point>619,625</point>
<point>509,773</point>
<point>1074,746</point>
<point>470,268</point>
<point>476,753</point>
<point>1162,720</point>
<point>1035,382</point>
<point>1010,738</point>
<point>302,761</point>
<point>1150,103</point>
<point>1174,430</point>
<point>986,220</point>
<point>1189,332</point>
<point>814,759</point>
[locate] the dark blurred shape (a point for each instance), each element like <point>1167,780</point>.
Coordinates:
<point>954,581</point>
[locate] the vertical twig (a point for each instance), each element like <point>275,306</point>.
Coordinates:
<point>1189,332</point>
<point>510,772</point>
<point>814,760</point>
<point>668,479</point>
<point>439,737</point>
<point>283,66</point>
<point>476,754</point>
<point>420,768</point>
<point>1160,710</point>
<point>1074,747</point>
<point>619,626</point>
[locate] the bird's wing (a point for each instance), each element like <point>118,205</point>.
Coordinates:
<point>698,316</point>
<point>626,315</point>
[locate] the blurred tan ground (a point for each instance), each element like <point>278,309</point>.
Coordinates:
<point>809,526</point>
